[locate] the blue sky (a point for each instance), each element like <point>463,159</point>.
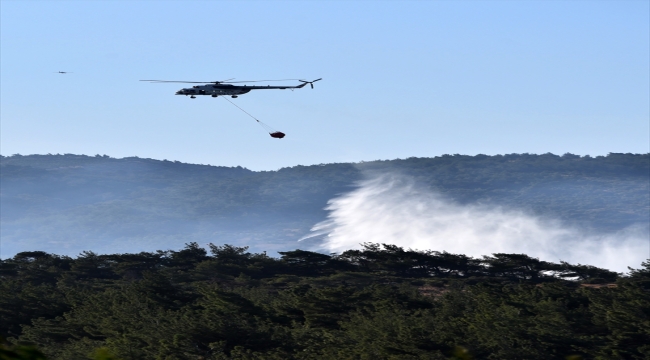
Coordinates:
<point>400,79</point>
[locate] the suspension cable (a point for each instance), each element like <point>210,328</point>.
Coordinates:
<point>223,97</point>
<point>263,125</point>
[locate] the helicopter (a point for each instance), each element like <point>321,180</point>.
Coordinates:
<point>226,87</point>
<point>64,72</point>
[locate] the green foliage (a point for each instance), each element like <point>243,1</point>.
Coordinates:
<point>380,302</point>
<point>19,352</point>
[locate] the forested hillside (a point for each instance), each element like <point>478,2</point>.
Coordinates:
<point>68,203</point>
<point>380,302</point>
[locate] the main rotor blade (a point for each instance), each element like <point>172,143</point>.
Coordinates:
<point>187,82</point>
<point>220,82</point>
<point>234,82</point>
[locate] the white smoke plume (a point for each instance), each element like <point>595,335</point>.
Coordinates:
<point>393,210</point>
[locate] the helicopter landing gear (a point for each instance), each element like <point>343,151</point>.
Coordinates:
<point>234,96</point>
<point>192,97</point>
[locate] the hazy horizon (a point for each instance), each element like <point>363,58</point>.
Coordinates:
<point>590,210</point>
<point>312,164</point>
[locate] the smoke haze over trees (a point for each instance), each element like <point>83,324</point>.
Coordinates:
<point>127,298</point>
<point>69,203</point>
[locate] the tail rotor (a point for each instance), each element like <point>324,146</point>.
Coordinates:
<point>310,82</point>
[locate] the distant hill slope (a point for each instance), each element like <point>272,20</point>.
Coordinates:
<point>68,203</point>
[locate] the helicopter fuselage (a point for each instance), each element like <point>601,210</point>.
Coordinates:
<point>214,90</point>
<point>227,90</point>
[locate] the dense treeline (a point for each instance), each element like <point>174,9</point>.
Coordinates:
<point>380,302</point>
